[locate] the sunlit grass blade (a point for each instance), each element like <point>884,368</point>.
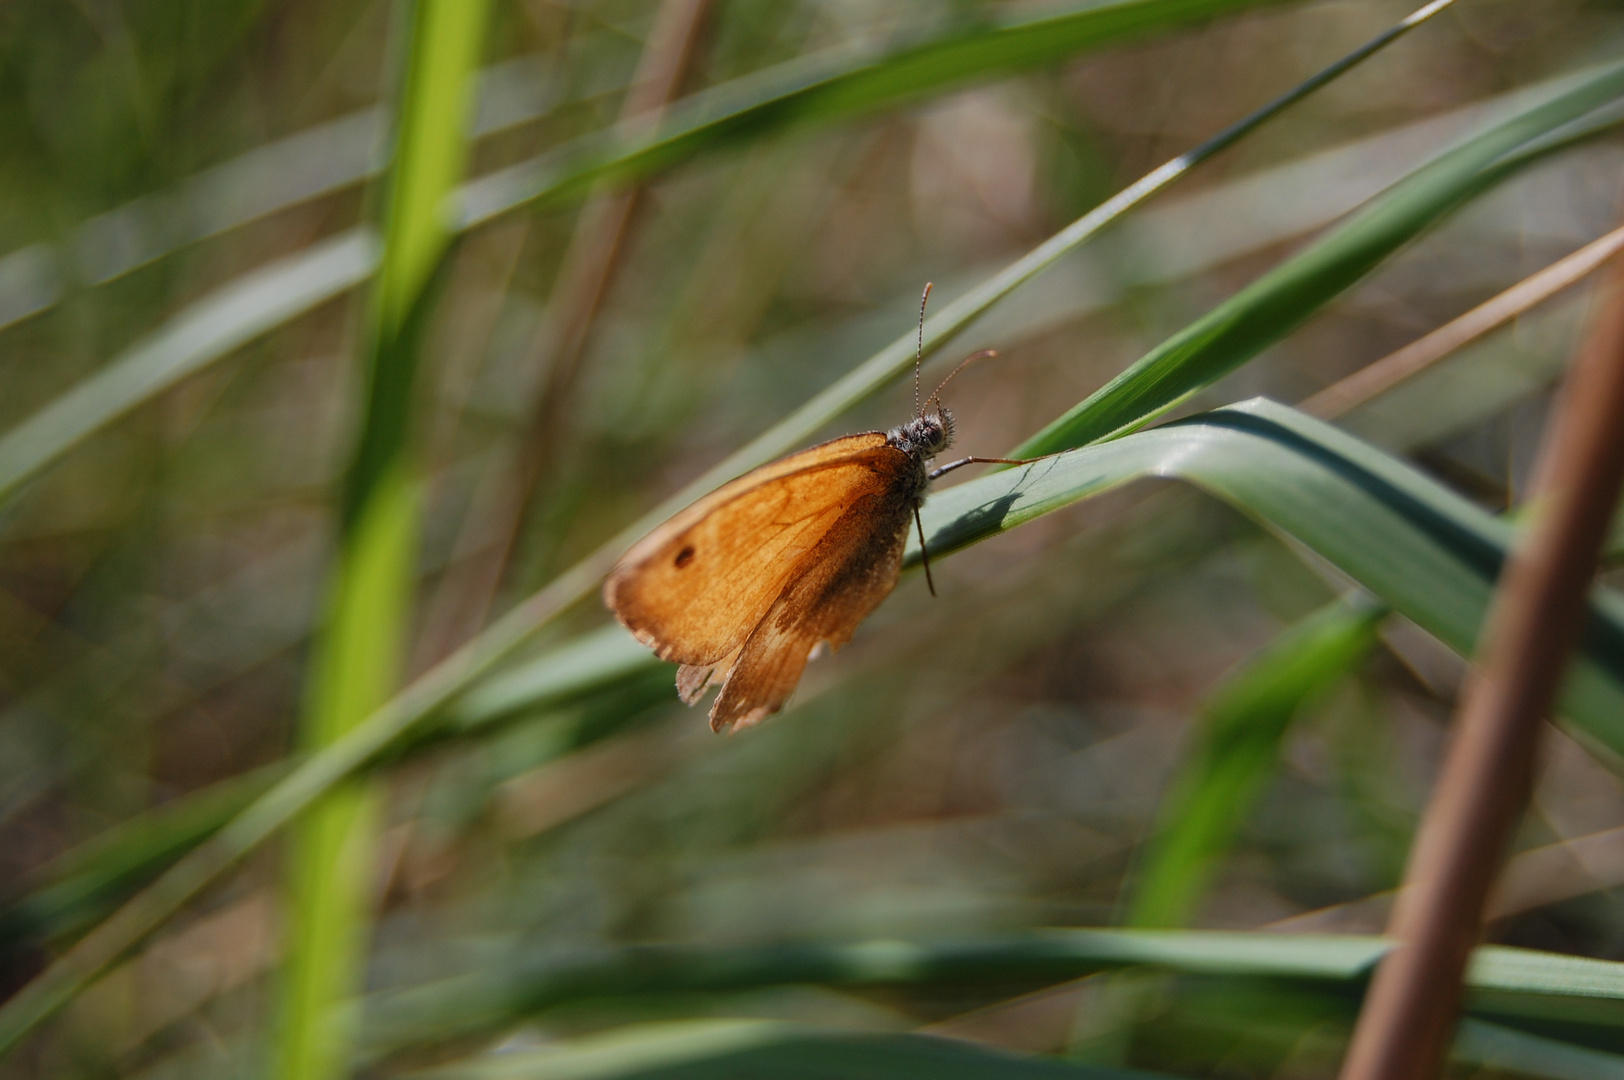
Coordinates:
<point>1281,300</point>
<point>1234,748</point>
<point>1507,985</point>
<point>400,719</point>
<point>360,648</point>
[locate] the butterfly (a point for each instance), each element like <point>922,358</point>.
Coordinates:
<point>745,585</point>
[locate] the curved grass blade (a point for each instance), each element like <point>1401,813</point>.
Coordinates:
<point>1417,546</point>
<point>1512,985</point>
<point>1281,300</point>
<point>399,720</point>
<point>1236,744</point>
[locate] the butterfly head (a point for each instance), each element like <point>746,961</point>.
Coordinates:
<point>926,435</point>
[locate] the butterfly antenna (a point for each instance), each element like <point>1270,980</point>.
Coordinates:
<point>936,395</point>
<point>919,349</point>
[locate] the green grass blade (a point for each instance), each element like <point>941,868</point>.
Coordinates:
<point>360,648</point>
<point>1281,300</point>
<point>1505,1049</point>
<point>1236,743</point>
<point>750,1049</point>
<point>192,340</point>
<point>843,84</point>
<point>1522,986</point>
<point>85,883</point>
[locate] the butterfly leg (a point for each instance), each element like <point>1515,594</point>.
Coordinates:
<point>924,552</point>
<point>962,462</point>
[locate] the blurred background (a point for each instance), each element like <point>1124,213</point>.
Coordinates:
<point>987,761</point>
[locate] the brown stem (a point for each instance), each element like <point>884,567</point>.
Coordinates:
<point>469,587</point>
<point>1533,623</point>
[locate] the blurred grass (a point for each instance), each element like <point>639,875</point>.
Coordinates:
<point>839,86</point>
<point>1581,998</point>
<point>752,1048</point>
<point>364,740</point>
<point>1235,748</point>
<point>968,770</point>
<point>1279,301</point>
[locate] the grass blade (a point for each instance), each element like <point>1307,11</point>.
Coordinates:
<point>842,84</point>
<point>207,330</point>
<point>1281,300</point>
<point>360,648</point>
<point>1520,986</point>
<point>747,1049</point>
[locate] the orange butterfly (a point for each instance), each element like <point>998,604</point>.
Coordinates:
<point>741,587</point>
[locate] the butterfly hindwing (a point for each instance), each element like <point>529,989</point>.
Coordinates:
<point>700,584</point>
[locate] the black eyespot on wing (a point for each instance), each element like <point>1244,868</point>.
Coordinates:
<point>684,557</point>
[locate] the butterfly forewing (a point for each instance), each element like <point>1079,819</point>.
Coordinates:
<point>853,568</point>
<point>696,587</point>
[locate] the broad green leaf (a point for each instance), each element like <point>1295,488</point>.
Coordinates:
<point>1235,746</point>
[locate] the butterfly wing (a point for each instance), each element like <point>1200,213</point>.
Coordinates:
<point>695,588</point>
<point>853,568</point>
